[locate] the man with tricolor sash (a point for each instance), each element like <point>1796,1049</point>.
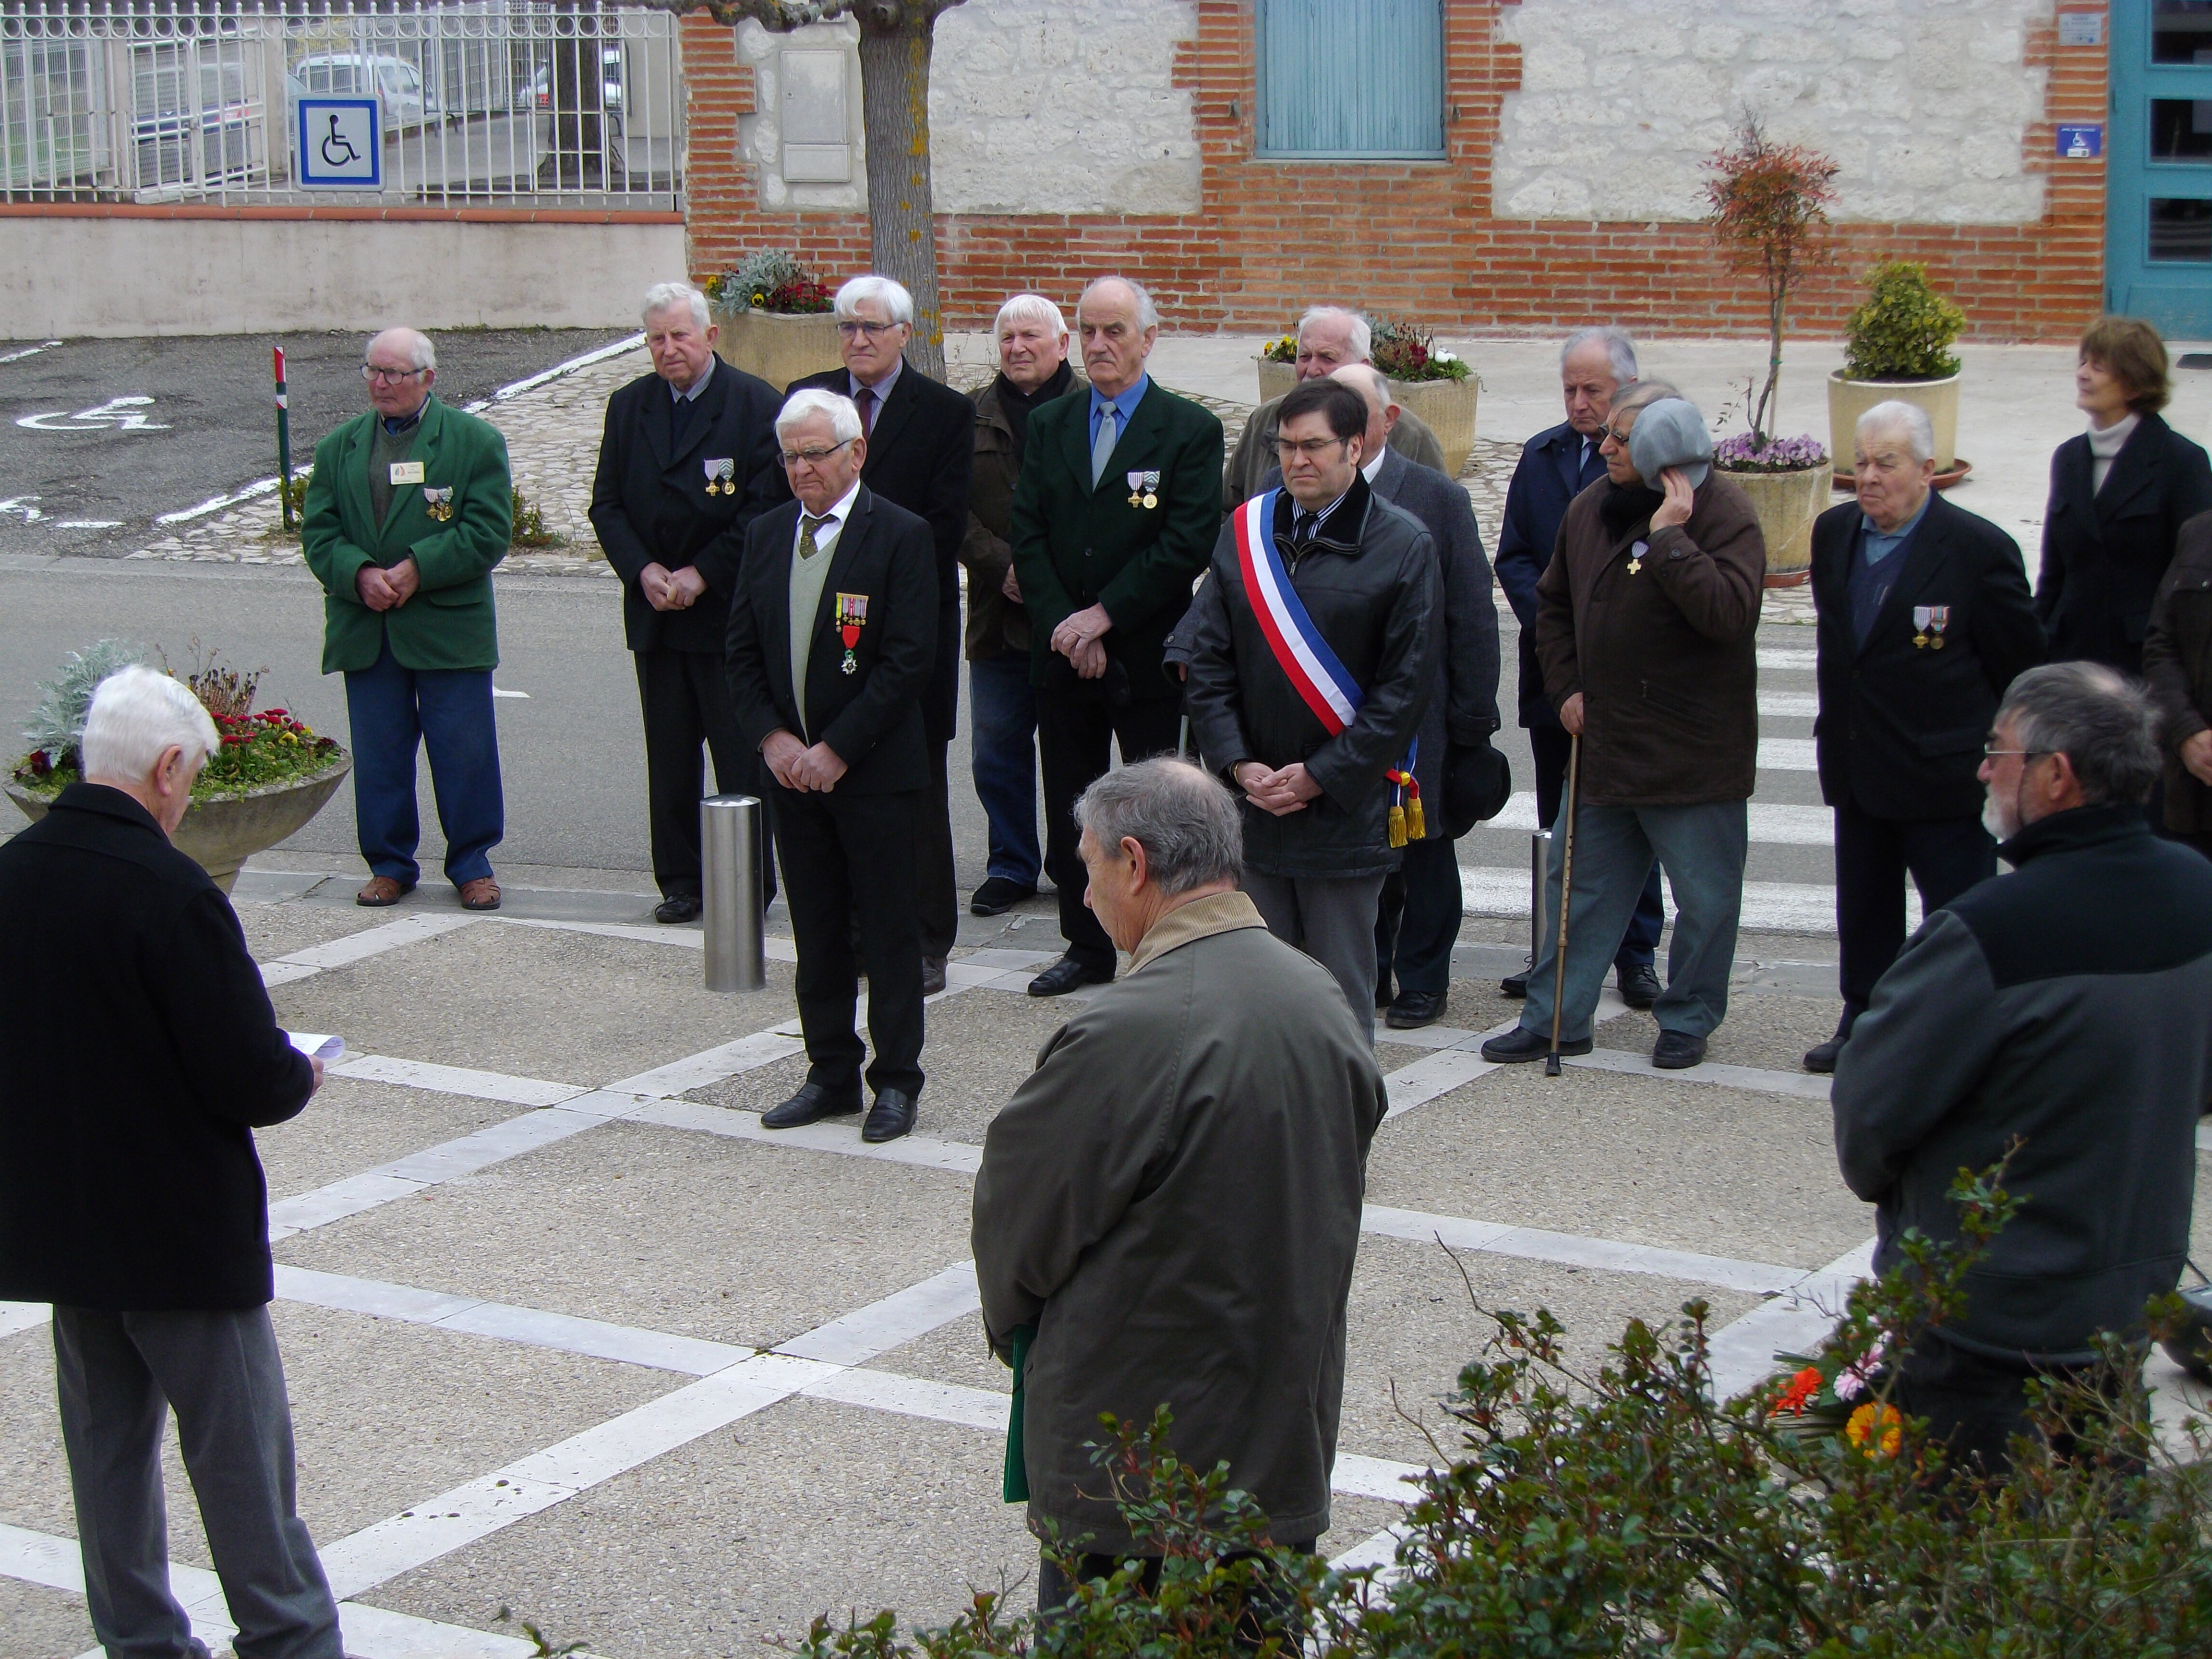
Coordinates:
<point>1307,677</point>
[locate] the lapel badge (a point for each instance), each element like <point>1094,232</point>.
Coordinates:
<point>852,615</point>
<point>722,475</point>
<point>1144,489</point>
<point>438,502</point>
<point>1636,557</point>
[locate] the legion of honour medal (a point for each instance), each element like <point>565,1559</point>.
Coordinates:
<point>722,475</point>
<point>438,502</point>
<point>852,613</point>
<point>1144,489</point>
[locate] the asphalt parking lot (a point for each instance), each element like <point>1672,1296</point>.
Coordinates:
<point>100,438</point>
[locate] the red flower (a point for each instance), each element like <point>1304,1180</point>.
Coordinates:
<point>1803,1387</point>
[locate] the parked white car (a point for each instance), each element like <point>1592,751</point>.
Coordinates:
<point>394,81</point>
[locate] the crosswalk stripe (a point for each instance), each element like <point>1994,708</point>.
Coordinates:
<point>1789,705</point>
<point>1782,907</point>
<point>1778,826</point>
<point>1787,755</point>
<point>1773,656</point>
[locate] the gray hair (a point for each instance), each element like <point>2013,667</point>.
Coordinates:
<point>844,419</point>
<point>137,713</point>
<point>1620,350</point>
<point>1187,821</point>
<point>1148,314</point>
<point>1362,336</point>
<point>667,296</point>
<point>421,353</point>
<point>2102,721</point>
<point>1919,430</point>
<point>897,303</point>
<point>1030,308</point>
<point>1639,393</point>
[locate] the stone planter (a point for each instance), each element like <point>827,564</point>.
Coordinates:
<point>1445,407</point>
<point>1787,503</point>
<point>221,833</point>
<point>778,349</point>
<point>1275,379</point>
<point>1848,399</point>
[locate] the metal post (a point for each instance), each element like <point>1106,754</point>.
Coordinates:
<point>283,439</point>
<point>730,849</point>
<point>1539,846</point>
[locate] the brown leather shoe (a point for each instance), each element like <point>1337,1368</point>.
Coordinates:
<point>382,890</point>
<point>481,894</point>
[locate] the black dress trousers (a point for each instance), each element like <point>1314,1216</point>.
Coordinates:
<point>685,697</point>
<point>1944,857</point>
<point>937,889</point>
<point>848,860</point>
<point>1076,735</point>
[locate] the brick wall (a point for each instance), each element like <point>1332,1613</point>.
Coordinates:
<point>1416,239</point>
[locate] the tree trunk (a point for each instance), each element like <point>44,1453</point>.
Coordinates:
<point>895,48</point>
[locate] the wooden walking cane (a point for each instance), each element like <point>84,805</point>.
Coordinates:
<point>1566,894</point>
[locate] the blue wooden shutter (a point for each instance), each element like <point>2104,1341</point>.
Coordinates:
<point>1352,78</point>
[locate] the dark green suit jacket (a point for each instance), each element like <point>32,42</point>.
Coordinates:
<point>1075,546</point>
<point>448,623</point>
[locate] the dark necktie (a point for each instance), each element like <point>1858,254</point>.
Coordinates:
<point>679,419</point>
<point>865,401</point>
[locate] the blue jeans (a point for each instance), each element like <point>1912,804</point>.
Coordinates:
<point>1003,711</point>
<point>448,712</point>
<point>1702,850</point>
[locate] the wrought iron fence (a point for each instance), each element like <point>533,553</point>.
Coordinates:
<point>480,102</point>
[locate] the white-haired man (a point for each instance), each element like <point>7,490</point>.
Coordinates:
<point>833,629</point>
<point>139,1027</point>
<point>1329,337</point>
<point>1925,617</point>
<point>1033,370</point>
<point>687,461</point>
<point>921,447</point>
<point>1114,516</point>
<point>408,510</point>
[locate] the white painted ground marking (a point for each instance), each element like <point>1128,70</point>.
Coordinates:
<point>216,503</point>
<point>1571,1249</point>
<point>700,1071</point>
<point>1787,755</point>
<point>29,351</point>
<point>87,523</point>
<point>116,414</point>
<point>375,941</point>
<point>1798,1085</point>
<point>501,691</point>
<point>516,388</point>
<point>22,1316</point>
<point>914,1396</point>
<point>1772,826</point>
<point>1782,656</point>
<point>892,1322</point>
<point>1782,907</point>
<point>1742,1353</point>
<point>458,1080</point>
<point>1788,705</point>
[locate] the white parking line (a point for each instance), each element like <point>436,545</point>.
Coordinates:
<point>1774,826</point>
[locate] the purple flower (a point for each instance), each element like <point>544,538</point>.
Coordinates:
<point>1743,453</point>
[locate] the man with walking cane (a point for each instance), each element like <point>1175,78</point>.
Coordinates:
<point>1644,627</point>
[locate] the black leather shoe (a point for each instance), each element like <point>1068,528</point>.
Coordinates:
<point>676,908</point>
<point>1066,975</point>
<point>1821,1059</point>
<point>933,975</point>
<point>1384,995</point>
<point>1514,985</point>
<point>811,1104</point>
<point>1520,1044</point>
<point>1677,1051</point>
<point>1414,1009</point>
<point>891,1117</point>
<point>1638,983</point>
<point>997,896</point>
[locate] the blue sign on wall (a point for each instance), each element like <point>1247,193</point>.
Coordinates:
<point>341,143</point>
<point>2080,143</point>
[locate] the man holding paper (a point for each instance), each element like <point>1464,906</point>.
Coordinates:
<point>141,1055</point>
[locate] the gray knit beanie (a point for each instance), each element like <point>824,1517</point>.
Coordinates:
<point>1670,433</point>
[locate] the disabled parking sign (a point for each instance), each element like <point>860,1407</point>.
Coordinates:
<point>340,144</point>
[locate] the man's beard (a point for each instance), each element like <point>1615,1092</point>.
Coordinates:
<point>1993,818</point>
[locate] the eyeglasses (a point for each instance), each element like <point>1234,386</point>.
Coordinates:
<point>378,371</point>
<point>2025,753</point>
<point>849,328</point>
<point>1313,448</point>
<point>1618,436</point>
<point>812,456</point>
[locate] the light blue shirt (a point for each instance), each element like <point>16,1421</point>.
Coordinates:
<point>690,393</point>
<point>1124,404</point>
<point>1881,544</point>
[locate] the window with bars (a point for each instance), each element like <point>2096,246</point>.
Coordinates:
<point>1350,80</point>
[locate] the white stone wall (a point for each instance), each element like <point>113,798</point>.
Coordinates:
<point>1923,103</point>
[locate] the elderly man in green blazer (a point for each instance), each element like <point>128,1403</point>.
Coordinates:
<point>1114,516</point>
<point>409,507</point>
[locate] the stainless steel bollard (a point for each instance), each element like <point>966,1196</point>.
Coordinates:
<point>732,847</point>
<point>1540,847</point>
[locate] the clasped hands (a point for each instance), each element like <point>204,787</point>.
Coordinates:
<point>387,590</point>
<point>670,590</point>
<point>1280,792</point>
<point>1079,638</point>
<point>2197,755</point>
<point>795,766</point>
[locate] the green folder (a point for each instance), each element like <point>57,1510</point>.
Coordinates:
<point>1016,1486</point>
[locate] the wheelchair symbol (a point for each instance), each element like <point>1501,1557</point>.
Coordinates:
<point>337,149</point>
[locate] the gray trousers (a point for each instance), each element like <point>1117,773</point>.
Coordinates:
<point>118,1375</point>
<point>1332,919</point>
<point>1702,850</point>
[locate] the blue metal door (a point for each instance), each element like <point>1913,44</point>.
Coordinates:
<point>2158,262</point>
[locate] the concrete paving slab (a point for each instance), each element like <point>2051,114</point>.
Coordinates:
<point>536,1002</point>
<point>1718,1170</point>
<point>804,1509</point>
<point>691,1234</point>
<point>1772,1033</point>
<point>274,930</point>
<point>349,1125</point>
<point>42,1623</point>
<point>33,1475</point>
<point>1412,1325</point>
<point>952,1354</point>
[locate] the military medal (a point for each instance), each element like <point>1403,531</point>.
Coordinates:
<point>852,613</point>
<point>1144,488</point>
<point>1922,616</point>
<point>1636,557</point>
<point>722,475</point>
<point>1939,618</point>
<point>438,502</point>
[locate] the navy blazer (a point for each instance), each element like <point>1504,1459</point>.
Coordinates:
<point>1549,475</point>
<point>1901,725</point>
<point>2105,552</point>
<point>871,718</point>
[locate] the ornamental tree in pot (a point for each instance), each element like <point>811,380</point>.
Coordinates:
<point>1897,345</point>
<point>775,318</point>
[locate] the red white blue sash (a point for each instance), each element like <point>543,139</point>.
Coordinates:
<point>1315,670</point>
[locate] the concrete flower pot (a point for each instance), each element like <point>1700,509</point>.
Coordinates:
<point>1445,407</point>
<point>220,833</point>
<point>779,347</point>
<point>1275,379</point>
<point>1787,503</point>
<point>1848,399</point>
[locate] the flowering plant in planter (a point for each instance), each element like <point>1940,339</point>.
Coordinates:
<point>1747,452</point>
<point>771,280</point>
<point>1284,351</point>
<point>1405,351</point>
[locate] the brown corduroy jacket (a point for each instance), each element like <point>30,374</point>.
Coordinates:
<point>1663,655</point>
<point>2177,663</point>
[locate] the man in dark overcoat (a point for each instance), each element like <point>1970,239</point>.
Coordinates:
<point>687,462</point>
<point>141,1055</point>
<point>920,447</point>
<point>1925,617</point>
<point>1114,516</point>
